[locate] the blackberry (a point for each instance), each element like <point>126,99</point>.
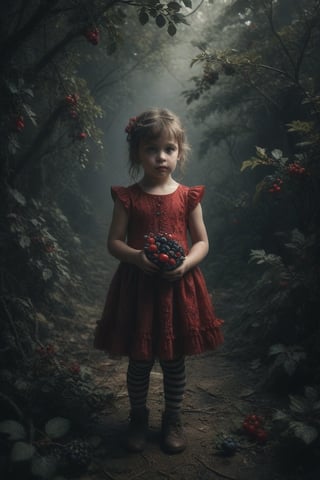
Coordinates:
<point>77,454</point>
<point>163,250</point>
<point>228,446</point>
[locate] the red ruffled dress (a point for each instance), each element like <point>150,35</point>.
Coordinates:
<point>146,316</point>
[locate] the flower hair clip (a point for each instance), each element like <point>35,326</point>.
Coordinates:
<point>131,125</point>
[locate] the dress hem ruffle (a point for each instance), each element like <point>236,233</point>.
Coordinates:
<point>144,350</point>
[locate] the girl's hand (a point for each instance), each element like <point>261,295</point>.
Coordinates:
<point>145,265</point>
<point>177,273</point>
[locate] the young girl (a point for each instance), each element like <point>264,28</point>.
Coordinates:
<point>153,312</point>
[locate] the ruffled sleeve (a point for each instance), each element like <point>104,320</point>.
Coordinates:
<point>122,193</point>
<point>195,195</point>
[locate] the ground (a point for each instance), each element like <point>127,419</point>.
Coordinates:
<point>221,391</point>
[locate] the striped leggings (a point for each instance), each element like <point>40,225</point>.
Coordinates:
<point>174,382</point>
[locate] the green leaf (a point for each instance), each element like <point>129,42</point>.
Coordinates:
<point>179,18</point>
<point>253,163</point>
<point>30,113</point>
<point>311,393</point>
<point>277,348</point>
<point>24,241</point>
<point>160,21</point>
<point>143,17</point>
<point>261,152</point>
<point>18,197</point>
<point>304,432</point>
<point>44,467</point>
<point>22,451</point>
<point>297,404</point>
<point>46,274</point>
<point>174,6</point>
<point>13,89</point>
<point>171,29</point>
<point>57,427</point>
<point>277,154</point>
<point>187,3</point>
<point>14,430</point>
<point>280,416</point>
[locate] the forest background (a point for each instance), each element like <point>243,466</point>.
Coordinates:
<point>244,78</point>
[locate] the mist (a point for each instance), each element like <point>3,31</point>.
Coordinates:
<point>243,76</point>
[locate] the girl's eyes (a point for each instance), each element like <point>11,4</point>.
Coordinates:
<point>170,149</point>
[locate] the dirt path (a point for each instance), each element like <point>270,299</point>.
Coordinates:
<point>220,393</point>
<point>218,396</point>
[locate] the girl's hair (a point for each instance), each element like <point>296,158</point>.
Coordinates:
<point>150,125</point>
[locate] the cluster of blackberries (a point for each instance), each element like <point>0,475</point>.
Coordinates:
<point>77,454</point>
<point>163,250</point>
<point>228,446</point>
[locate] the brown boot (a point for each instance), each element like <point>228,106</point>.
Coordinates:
<point>173,436</point>
<point>137,430</point>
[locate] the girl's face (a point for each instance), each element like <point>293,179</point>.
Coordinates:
<point>158,157</point>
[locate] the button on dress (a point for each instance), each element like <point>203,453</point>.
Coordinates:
<point>146,316</point>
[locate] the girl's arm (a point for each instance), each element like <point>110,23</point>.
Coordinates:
<point>117,245</point>
<point>199,248</point>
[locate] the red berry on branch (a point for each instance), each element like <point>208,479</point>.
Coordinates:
<point>19,123</point>
<point>93,36</point>
<point>82,136</point>
<point>72,99</point>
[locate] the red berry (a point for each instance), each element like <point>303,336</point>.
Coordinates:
<point>93,36</point>
<point>172,261</point>
<point>82,136</point>
<point>153,247</point>
<point>163,257</point>
<point>72,99</point>
<point>261,436</point>
<point>20,123</point>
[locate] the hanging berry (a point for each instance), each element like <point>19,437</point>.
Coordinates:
<point>72,99</point>
<point>276,185</point>
<point>93,36</point>
<point>19,123</point>
<point>296,169</point>
<point>82,136</point>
